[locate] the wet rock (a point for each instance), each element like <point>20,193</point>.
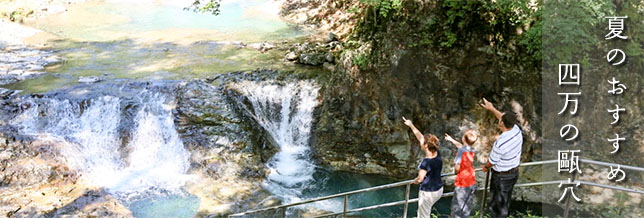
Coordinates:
<point>300,48</point>
<point>256,46</point>
<point>5,155</point>
<point>35,67</point>
<point>8,80</point>
<point>89,79</point>
<point>314,54</point>
<point>329,57</point>
<point>262,46</point>
<point>28,173</point>
<point>314,59</point>
<point>92,203</point>
<point>331,37</point>
<point>237,44</point>
<point>268,46</point>
<point>19,63</point>
<point>329,66</point>
<point>333,45</point>
<point>224,143</point>
<point>291,56</point>
<point>51,60</point>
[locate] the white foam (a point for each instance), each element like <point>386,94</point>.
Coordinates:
<point>90,141</point>
<point>286,113</point>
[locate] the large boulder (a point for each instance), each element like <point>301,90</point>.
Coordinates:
<point>314,59</point>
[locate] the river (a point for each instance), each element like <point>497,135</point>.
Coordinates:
<point>119,133</point>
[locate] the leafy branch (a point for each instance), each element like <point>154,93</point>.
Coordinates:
<point>210,6</point>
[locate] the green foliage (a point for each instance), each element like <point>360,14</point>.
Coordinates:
<point>574,29</point>
<point>16,16</point>
<point>210,6</point>
<point>531,39</point>
<point>509,26</point>
<point>380,10</point>
<point>388,6</point>
<point>634,28</point>
<point>374,14</point>
<point>497,19</point>
<point>19,14</point>
<point>361,60</point>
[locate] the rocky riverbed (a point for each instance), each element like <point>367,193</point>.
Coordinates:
<point>18,63</point>
<point>23,52</point>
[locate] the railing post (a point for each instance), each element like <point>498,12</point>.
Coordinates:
<point>406,201</point>
<point>565,215</point>
<point>346,201</point>
<point>284,212</point>
<point>487,181</point>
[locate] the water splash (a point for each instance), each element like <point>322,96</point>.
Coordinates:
<point>286,113</point>
<point>90,134</point>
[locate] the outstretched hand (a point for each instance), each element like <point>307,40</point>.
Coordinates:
<point>487,105</point>
<point>449,138</point>
<point>407,122</point>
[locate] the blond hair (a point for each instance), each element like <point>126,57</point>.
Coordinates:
<point>470,137</point>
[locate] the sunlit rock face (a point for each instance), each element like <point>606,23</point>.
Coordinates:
<point>35,182</point>
<point>223,153</point>
<point>360,124</point>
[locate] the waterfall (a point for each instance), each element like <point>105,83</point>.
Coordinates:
<point>125,144</point>
<point>286,113</point>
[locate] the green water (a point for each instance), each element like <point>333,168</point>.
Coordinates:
<point>329,183</point>
<point>129,59</point>
<point>337,182</point>
<point>158,40</point>
<point>249,20</point>
<point>175,205</point>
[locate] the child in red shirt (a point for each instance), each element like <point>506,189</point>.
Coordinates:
<point>465,184</point>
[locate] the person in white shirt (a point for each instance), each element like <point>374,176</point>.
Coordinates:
<point>504,161</point>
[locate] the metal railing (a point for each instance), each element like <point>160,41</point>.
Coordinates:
<point>408,184</point>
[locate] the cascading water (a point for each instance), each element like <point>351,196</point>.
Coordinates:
<point>286,113</point>
<point>89,132</point>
